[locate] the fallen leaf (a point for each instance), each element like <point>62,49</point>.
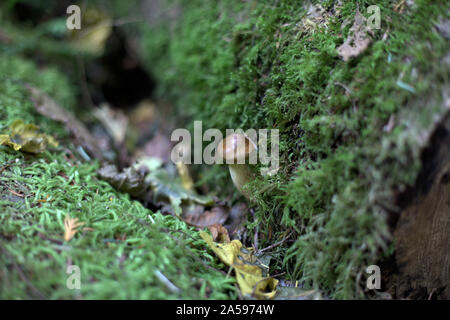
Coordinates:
<point>129,180</point>
<point>70,227</point>
<point>26,137</point>
<point>227,252</point>
<point>114,121</point>
<point>251,282</point>
<point>202,218</point>
<point>167,189</point>
<point>158,147</point>
<point>248,276</point>
<point>265,288</point>
<point>219,233</point>
<point>148,181</point>
<point>358,39</point>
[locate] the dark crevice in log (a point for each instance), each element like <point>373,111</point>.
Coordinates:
<point>421,234</point>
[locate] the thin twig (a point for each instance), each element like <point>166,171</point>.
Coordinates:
<point>348,91</point>
<point>278,274</point>
<point>276,244</point>
<point>255,239</point>
<point>166,282</point>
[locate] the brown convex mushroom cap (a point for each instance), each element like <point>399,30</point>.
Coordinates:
<point>235,148</point>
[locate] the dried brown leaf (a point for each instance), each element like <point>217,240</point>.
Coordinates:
<point>219,233</point>
<point>200,219</point>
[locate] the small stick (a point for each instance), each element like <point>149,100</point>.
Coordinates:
<point>166,282</point>
<point>276,244</point>
<point>16,193</point>
<point>255,239</point>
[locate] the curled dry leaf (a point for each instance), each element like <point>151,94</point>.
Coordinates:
<point>219,233</point>
<point>129,180</point>
<point>70,227</point>
<point>202,219</point>
<point>114,121</point>
<point>167,189</point>
<point>251,282</point>
<point>149,182</point>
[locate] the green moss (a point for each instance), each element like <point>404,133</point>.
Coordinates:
<point>126,244</point>
<point>255,65</point>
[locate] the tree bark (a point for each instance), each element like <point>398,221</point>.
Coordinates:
<point>422,236</point>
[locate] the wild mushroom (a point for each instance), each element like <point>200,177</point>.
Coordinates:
<point>235,150</point>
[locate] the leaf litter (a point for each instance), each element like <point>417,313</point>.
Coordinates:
<point>27,138</point>
<point>249,275</point>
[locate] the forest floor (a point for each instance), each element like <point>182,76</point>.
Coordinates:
<point>92,207</point>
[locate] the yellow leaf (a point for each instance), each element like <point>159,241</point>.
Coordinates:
<point>70,227</point>
<point>26,137</point>
<point>227,252</point>
<point>6,141</point>
<point>249,277</point>
<point>266,288</point>
<point>251,282</point>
